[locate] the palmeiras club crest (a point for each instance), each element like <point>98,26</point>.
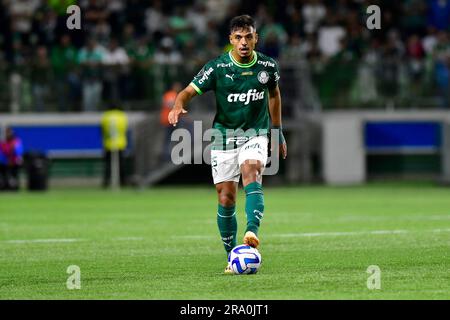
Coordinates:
<point>263,77</point>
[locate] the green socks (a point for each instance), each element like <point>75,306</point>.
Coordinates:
<point>254,209</point>
<point>254,206</point>
<point>226,220</point>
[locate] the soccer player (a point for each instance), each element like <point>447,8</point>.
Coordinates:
<point>11,160</point>
<point>248,98</point>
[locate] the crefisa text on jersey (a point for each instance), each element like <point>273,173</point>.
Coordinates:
<point>228,309</point>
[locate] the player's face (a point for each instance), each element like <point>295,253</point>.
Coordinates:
<point>244,41</point>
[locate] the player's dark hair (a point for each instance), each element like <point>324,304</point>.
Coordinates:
<point>241,22</point>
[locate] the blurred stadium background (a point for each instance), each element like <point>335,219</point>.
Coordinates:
<point>358,103</point>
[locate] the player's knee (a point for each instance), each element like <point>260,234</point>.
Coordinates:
<point>227,198</point>
<point>251,172</point>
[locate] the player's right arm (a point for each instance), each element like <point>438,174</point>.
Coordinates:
<point>181,102</point>
<point>202,82</point>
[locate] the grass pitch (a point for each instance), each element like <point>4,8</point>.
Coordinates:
<point>316,243</point>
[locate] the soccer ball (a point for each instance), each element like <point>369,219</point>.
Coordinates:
<point>244,259</point>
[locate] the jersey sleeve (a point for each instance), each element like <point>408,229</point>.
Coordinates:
<point>275,77</point>
<point>206,79</point>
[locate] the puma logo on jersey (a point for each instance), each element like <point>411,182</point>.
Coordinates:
<point>231,77</point>
<point>251,95</point>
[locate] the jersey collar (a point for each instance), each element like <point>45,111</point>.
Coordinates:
<point>244,65</point>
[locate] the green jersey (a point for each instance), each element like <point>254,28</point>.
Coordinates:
<point>242,95</point>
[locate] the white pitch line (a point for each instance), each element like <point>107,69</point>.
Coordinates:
<point>68,240</point>
<point>279,235</point>
<point>43,240</point>
<point>195,237</point>
<point>441,230</point>
<point>309,234</point>
<point>324,234</point>
<point>338,234</point>
<point>129,239</point>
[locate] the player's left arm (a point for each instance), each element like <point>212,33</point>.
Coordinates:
<point>275,115</point>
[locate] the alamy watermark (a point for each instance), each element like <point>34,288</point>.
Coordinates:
<point>74,20</point>
<point>374,280</point>
<point>374,20</point>
<point>74,280</point>
<point>190,145</point>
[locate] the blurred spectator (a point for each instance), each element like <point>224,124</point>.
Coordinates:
<point>415,52</point>
<point>90,59</point>
<point>155,20</point>
<point>102,31</point>
<point>19,59</point>
<point>218,8</point>
<point>45,23</point>
<point>94,11</point>
<point>167,53</point>
<point>116,19</point>
<point>114,124</point>
<point>261,15</point>
<point>294,25</point>
<point>197,18</point>
<point>64,59</point>
<point>271,46</point>
<point>330,36</point>
<point>182,34</point>
<point>196,62</point>
<point>180,27</point>
<point>356,41</point>
<point>116,72</point>
<point>313,13</point>
<point>342,8</point>
<point>141,58</point>
<point>41,78</point>
<point>365,88</point>
<point>129,37</point>
<point>21,12</point>
<point>441,68</point>
<point>211,50</point>
<point>167,60</point>
<point>389,69</point>
<point>273,37</point>
<point>11,159</point>
<point>296,49</point>
<point>3,163</point>
<point>430,40</point>
<point>135,14</point>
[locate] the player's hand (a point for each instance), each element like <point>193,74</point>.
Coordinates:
<point>283,150</point>
<point>282,145</point>
<point>174,114</point>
